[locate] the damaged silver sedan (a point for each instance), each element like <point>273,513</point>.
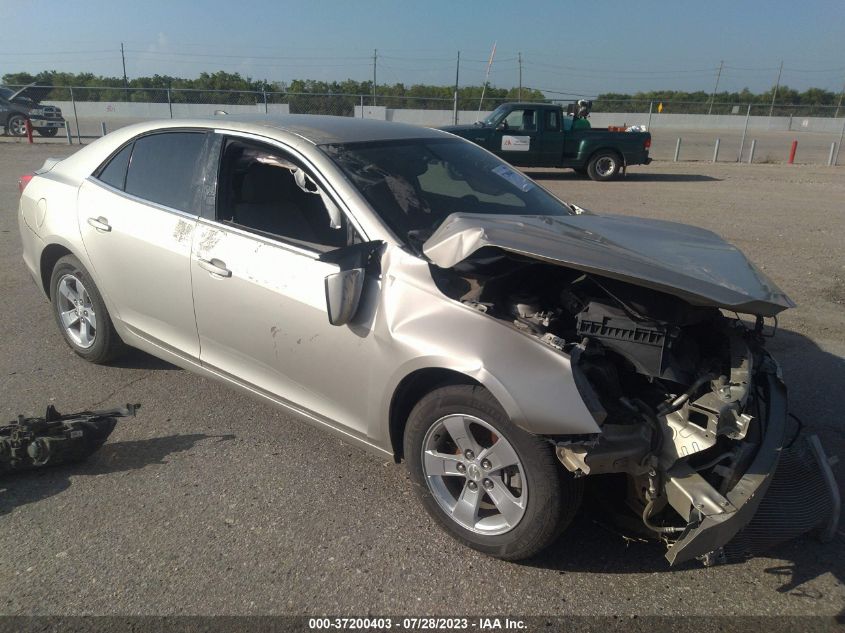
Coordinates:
<point>418,296</point>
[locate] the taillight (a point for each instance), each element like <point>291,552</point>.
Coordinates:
<point>23,181</point>
<point>647,143</point>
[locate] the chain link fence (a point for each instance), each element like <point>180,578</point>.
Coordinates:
<point>770,128</point>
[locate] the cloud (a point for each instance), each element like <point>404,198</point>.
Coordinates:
<point>161,45</point>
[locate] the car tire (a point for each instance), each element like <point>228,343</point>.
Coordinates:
<point>542,499</point>
<point>47,131</point>
<point>604,166</point>
<point>81,314</point>
<point>16,125</point>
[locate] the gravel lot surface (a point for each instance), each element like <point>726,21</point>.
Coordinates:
<point>696,144</point>
<point>211,502</point>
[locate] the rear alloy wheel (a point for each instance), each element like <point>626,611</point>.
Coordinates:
<point>81,314</point>
<point>604,166</point>
<point>491,485</point>
<point>16,125</point>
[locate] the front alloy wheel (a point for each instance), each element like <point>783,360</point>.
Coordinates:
<point>16,125</point>
<point>474,474</point>
<point>487,482</point>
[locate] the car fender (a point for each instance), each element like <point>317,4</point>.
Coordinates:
<point>532,381</point>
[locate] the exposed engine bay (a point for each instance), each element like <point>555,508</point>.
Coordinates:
<point>676,388</point>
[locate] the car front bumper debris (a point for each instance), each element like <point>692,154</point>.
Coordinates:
<point>767,505</point>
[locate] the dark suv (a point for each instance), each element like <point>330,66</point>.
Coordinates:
<point>16,106</point>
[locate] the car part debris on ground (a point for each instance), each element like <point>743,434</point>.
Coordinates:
<point>28,443</point>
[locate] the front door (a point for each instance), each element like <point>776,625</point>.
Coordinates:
<point>259,287</point>
<point>137,227</point>
<point>517,136</point>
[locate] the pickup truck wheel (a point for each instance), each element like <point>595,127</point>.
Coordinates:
<point>47,131</point>
<point>16,125</point>
<point>488,483</point>
<point>604,166</point>
<point>81,313</point>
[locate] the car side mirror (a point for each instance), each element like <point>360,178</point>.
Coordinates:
<point>344,288</point>
<point>343,293</point>
<point>502,126</point>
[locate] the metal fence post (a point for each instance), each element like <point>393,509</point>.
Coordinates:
<point>264,92</point>
<point>67,133</point>
<point>839,145</point>
<point>751,153</point>
<point>830,157</point>
<point>677,149</point>
<point>75,116</point>
<point>103,127</point>
<point>716,151</point>
<point>648,124</point>
<point>169,103</point>
<point>744,132</point>
<point>362,106</point>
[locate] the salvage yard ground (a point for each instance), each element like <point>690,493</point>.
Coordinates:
<point>211,502</point>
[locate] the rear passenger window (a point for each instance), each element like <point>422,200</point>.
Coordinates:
<point>165,168</point>
<point>114,173</point>
<point>552,121</point>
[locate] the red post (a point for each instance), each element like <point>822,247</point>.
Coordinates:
<point>792,151</point>
<point>28,126</point>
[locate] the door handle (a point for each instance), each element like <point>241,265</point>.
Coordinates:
<point>215,267</point>
<point>101,224</point>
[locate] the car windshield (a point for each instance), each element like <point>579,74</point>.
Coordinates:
<point>416,184</point>
<point>494,116</point>
<point>6,93</point>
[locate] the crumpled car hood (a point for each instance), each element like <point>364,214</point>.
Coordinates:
<point>692,263</point>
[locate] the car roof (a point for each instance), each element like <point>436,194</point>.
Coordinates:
<point>325,129</point>
<point>309,128</point>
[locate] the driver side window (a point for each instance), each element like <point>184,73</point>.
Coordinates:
<point>263,190</point>
<point>521,120</point>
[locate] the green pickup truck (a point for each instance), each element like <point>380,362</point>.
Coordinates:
<point>544,135</point>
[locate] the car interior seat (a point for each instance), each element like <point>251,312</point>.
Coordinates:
<point>528,120</point>
<point>269,202</point>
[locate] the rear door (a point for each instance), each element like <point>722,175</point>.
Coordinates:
<point>137,216</point>
<point>552,138</point>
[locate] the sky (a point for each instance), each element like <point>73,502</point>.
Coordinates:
<point>575,49</point>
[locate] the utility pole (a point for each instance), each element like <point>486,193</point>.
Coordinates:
<point>375,57</point>
<point>486,78</point>
<point>777,85</point>
<point>125,81</point>
<point>457,76</point>
<point>519,56</point>
<point>716,87</point>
